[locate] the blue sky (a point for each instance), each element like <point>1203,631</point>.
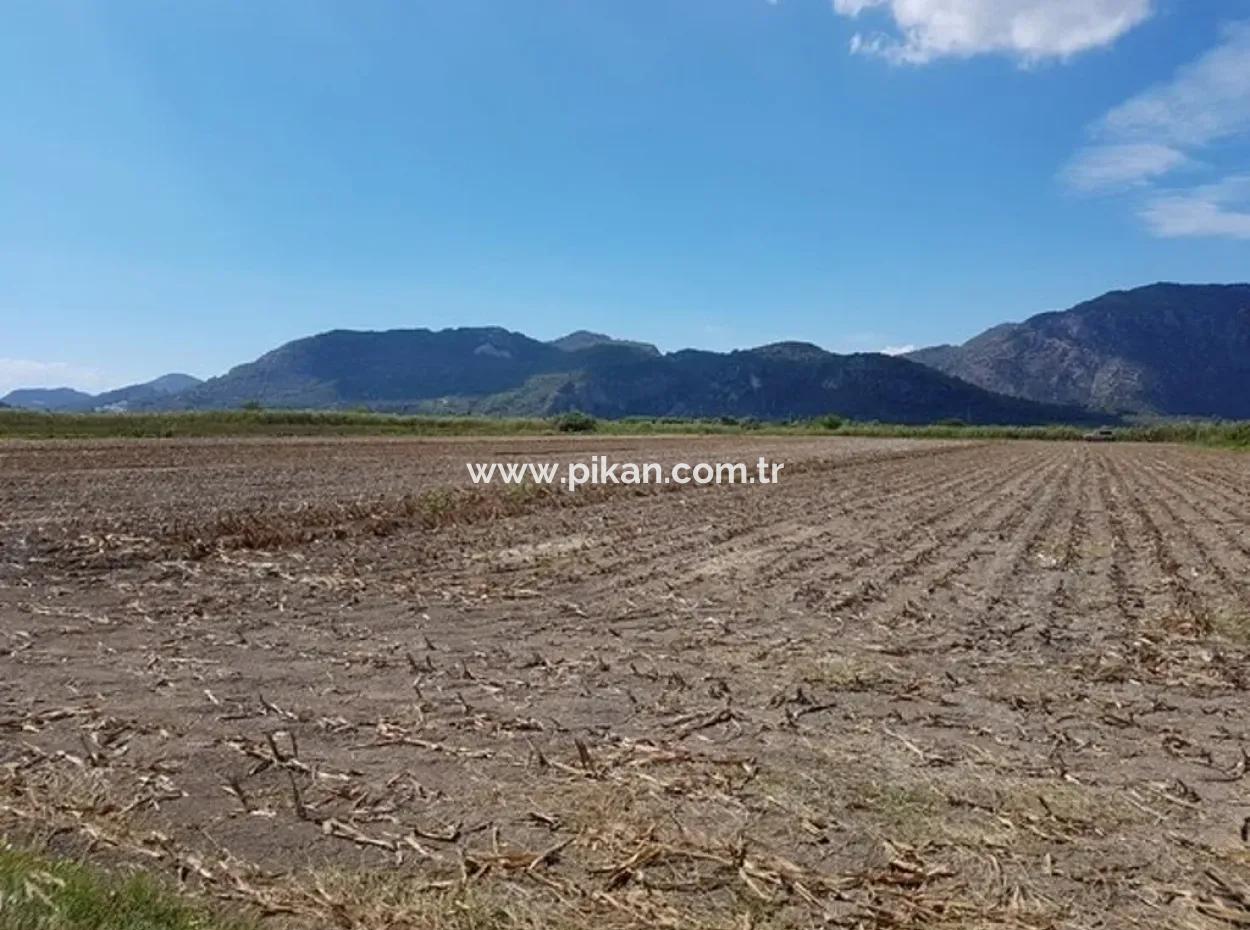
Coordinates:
<point>184,186</point>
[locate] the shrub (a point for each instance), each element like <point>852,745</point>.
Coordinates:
<point>576,422</point>
<point>831,421</point>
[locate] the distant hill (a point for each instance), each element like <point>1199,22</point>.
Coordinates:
<point>137,395</point>
<point>52,399</point>
<point>346,368</point>
<point>68,400</point>
<point>584,339</point>
<point>1168,349</point>
<point>495,371</point>
<point>174,383</point>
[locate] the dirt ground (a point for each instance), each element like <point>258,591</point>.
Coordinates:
<point>913,685</point>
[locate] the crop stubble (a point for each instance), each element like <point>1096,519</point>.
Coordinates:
<point>912,685</point>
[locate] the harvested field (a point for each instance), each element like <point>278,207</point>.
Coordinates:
<point>913,685</point>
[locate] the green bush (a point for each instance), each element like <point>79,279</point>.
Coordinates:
<point>831,422</point>
<point>576,422</point>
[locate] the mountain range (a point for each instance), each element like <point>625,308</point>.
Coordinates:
<point>1165,349</point>
<point>488,370</point>
<point>133,396</point>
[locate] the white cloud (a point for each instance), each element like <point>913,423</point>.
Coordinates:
<point>1205,102</point>
<point>1147,136</point>
<point>1108,167</point>
<point>898,350</point>
<point>1161,129</point>
<point>1220,209</point>
<point>26,373</point>
<point>1031,30</point>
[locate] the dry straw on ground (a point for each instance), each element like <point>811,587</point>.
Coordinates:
<point>912,686</point>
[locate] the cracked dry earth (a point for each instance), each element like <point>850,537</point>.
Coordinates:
<point>914,685</point>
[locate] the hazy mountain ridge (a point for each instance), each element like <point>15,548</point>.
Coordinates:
<point>1170,349</point>
<point>166,386</point>
<point>68,400</point>
<point>494,371</point>
<point>60,399</point>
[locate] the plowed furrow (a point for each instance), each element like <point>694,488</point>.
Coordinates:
<point>930,517</point>
<point>1163,554</point>
<point>913,511</point>
<point>1020,555</point>
<point>1000,585</point>
<point>843,539</point>
<point>1209,562</point>
<point>1215,513</point>
<point>1227,484</point>
<point>947,550</point>
<point>764,519</point>
<point>783,546</point>
<point>1128,563</point>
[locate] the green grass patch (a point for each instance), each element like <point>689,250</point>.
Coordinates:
<point>41,894</point>
<point>1220,434</point>
<point>24,424</point>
